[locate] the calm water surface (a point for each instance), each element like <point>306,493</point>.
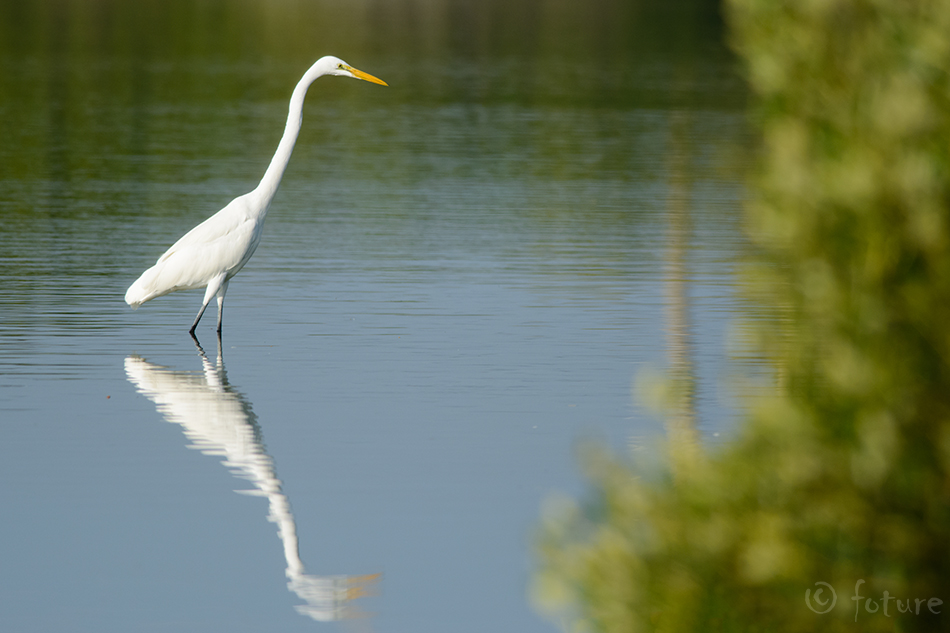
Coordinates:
<point>457,282</point>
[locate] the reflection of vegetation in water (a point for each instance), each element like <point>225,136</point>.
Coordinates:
<point>533,126</point>
<point>843,476</point>
<point>102,89</point>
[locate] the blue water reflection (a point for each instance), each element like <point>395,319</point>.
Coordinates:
<point>217,419</point>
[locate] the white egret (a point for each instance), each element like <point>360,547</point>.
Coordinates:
<point>210,254</point>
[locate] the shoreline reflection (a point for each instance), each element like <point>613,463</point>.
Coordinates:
<point>218,420</point>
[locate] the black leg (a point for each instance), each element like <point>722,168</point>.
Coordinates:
<point>197,318</point>
<point>220,314</point>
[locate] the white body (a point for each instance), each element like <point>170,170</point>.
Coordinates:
<point>210,254</point>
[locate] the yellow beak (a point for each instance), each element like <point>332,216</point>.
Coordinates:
<point>359,74</point>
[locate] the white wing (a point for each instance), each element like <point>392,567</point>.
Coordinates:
<point>221,244</point>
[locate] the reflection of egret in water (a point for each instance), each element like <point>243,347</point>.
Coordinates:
<point>219,421</point>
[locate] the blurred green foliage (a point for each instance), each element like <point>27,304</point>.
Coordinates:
<point>841,474</point>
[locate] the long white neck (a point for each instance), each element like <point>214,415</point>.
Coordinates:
<point>275,171</point>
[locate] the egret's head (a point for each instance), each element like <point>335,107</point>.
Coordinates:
<point>336,66</point>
